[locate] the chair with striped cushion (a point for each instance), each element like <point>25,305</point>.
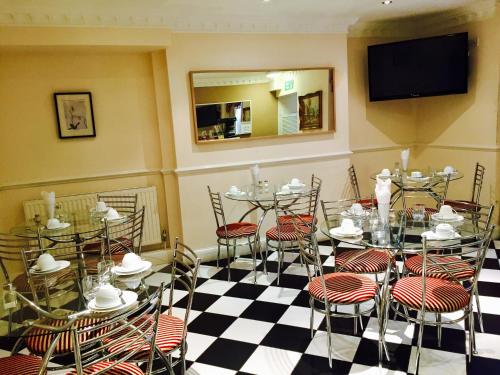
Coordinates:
<point>328,291</point>
<point>228,234</point>
<point>431,292</point>
<point>353,178</point>
<point>371,260</point>
<point>480,216</point>
<point>172,330</point>
<point>125,204</point>
<point>308,214</point>
<point>20,364</point>
<point>435,189</point>
<point>477,185</point>
<point>292,210</point>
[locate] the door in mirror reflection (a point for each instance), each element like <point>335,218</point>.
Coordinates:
<point>229,105</point>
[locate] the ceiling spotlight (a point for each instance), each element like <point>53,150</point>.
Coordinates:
<point>387,2</point>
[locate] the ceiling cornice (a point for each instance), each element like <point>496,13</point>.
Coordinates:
<point>425,24</point>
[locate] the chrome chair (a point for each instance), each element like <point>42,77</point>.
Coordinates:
<point>366,202</point>
<point>447,284</point>
<point>477,184</point>
<point>436,189</point>
<point>172,331</point>
<point>481,217</point>
<point>228,233</point>
<point>365,261</point>
<point>328,291</point>
<point>126,204</point>
<point>288,209</point>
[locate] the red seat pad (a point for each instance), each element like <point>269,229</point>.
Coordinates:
<point>368,203</point>
<point>39,339</point>
<point>20,364</point>
<point>458,269</point>
<point>343,287</point>
<point>286,232</point>
<point>299,219</point>
<point>168,337</point>
<point>440,295</point>
<point>120,245</point>
<point>363,261</point>
<point>463,205</point>
<point>427,213</point>
<point>235,230</point>
<point>122,368</point>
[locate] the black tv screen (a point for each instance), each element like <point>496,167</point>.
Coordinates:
<point>420,67</point>
<point>207,115</point>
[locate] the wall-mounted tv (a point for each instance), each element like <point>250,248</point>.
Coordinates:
<point>419,67</point>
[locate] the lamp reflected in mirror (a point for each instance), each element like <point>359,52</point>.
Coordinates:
<point>235,105</point>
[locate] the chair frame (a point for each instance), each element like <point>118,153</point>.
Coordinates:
<point>428,190</point>
<point>477,183</point>
<point>354,182</point>
<point>132,229</point>
<point>126,203</point>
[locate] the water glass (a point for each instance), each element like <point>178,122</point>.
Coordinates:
<point>104,270</point>
<point>380,234</point>
<point>9,297</point>
<point>90,285</point>
<point>418,212</point>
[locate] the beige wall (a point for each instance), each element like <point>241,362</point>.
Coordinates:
<point>231,160</point>
<point>125,115</point>
<point>264,105</point>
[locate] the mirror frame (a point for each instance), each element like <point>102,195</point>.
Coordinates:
<point>331,128</point>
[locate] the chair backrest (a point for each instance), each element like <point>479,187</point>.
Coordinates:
<point>126,235</point>
<point>217,207</point>
<point>11,248</point>
<point>354,182</point>
<point>126,203</point>
<point>478,214</point>
<point>437,189</point>
<point>122,337</point>
<point>292,206</point>
<point>184,274</point>
<point>477,184</point>
<point>458,262</point>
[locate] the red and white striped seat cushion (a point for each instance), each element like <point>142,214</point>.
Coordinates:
<point>368,203</point>
<point>458,269</point>
<point>20,364</point>
<point>235,230</point>
<point>343,287</point>
<point>440,295</point>
<point>427,214</point>
<point>168,337</point>
<point>39,339</point>
<point>301,219</point>
<point>122,368</point>
<point>363,261</point>
<point>286,232</point>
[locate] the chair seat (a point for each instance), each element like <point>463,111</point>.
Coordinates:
<point>363,261</point>
<point>458,269</point>
<point>20,364</point>
<point>462,205</point>
<point>236,230</point>
<point>39,339</point>
<point>299,219</point>
<point>92,260</point>
<point>122,368</point>
<point>368,203</point>
<point>168,337</point>
<point>427,214</point>
<point>286,232</point>
<point>440,295</point>
<point>40,283</point>
<point>344,288</point>
<point>120,245</point>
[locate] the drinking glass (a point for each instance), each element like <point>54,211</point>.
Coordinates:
<point>104,270</point>
<point>9,298</point>
<point>418,212</point>
<point>380,234</point>
<point>90,285</point>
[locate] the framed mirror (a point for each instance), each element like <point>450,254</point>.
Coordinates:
<point>235,105</point>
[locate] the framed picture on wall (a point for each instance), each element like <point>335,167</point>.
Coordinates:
<point>75,116</point>
<point>310,111</point>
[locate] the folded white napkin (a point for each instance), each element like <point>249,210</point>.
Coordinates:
<point>405,156</point>
<point>255,171</point>
<point>383,194</point>
<point>49,198</point>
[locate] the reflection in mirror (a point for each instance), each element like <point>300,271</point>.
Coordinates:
<point>254,104</point>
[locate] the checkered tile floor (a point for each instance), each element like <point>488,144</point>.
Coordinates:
<point>238,327</point>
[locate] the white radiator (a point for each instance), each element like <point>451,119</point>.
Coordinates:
<point>83,202</point>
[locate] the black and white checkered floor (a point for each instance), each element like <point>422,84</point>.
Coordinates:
<point>237,327</point>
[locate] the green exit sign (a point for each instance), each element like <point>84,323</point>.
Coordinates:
<point>289,85</point>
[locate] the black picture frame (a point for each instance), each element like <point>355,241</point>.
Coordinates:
<point>75,114</point>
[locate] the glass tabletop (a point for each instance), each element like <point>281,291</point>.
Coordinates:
<point>265,192</point>
<point>72,300</point>
<point>402,233</point>
<point>427,179</point>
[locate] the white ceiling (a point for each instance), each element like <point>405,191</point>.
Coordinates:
<point>229,15</point>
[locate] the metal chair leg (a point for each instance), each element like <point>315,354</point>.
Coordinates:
<point>472,335</point>
<point>311,321</point>
<point>419,343</point>
<point>183,358</point>
<point>439,328</point>
<point>479,315</point>
<point>228,261</point>
<point>218,254</point>
<point>329,333</point>
<point>356,312</point>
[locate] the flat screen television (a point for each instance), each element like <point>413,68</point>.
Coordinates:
<point>207,115</point>
<point>419,67</point>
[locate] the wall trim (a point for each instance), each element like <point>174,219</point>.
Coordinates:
<point>264,162</point>
<point>379,148</point>
<point>461,147</point>
<point>71,180</point>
